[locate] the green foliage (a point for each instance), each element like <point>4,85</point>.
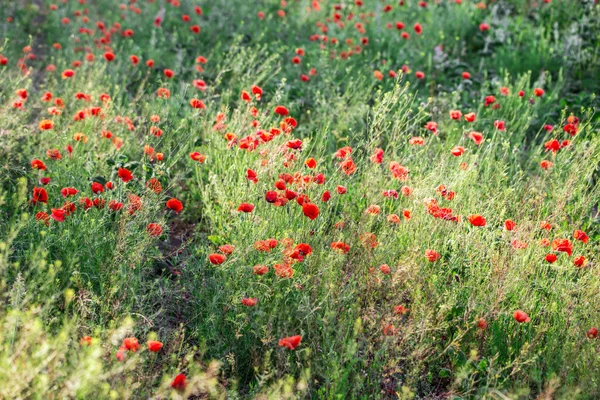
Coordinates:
<point>105,273</point>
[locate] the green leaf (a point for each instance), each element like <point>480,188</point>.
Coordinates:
<point>132,165</point>
<point>215,239</point>
<point>99,179</point>
<point>445,373</point>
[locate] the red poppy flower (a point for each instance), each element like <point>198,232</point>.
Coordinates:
<point>43,216</point>
<point>163,93</point>
<point>257,92</point>
<point>455,114</point>
<point>509,225</point>
<point>373,210</point>
<point>271,196</point>
<point>311,163</point>
<point>68,192</point>
<point>295,144</point>
<point>249,302</point>
<point>39,195</point>
<point>391,193</point>
<point>290,342</point>
<point>280,184</point>
<point>310,210</point>
<point>67,73</point>
<point>179,383</point>
<point>174,205</point>
<point>86,340</point>
<point>393,219</point>
<point>246,207</point>
<point>97,188</point>
<point>260,269</point>
<point>500,125</point>
<point>154,345</point>
<point>152,184</point>
<point>197,157</point>
<point>571,129</point>
<point>341,247</point>
<point>216,258</point>
<point>109,56</point>
<point>545,225</point>
<point>120,355</point>
<point>197,104</point>
<point>86,203</point>
<point>377,157</point>
<point>199,84</point>
<point>227,249</point>
<point>385,269</point>
<point>477,220</point>
<point>154,229</point>
<point>131,344</point>
<point>477,137</point>
<point>545,164</point>
<point>552,145</point>
<point>343,152</point>
<point>246,96</point>
<point>46,125</point>
<point>592,333</point>
<point>99,203</point>
<point>303,248</point>
<point>579,261</point>
<point>125,175</point>
<point>551,258</point>
<point>38,164</point>
<point>281,110</point>
<point>563,245</point>
<point>581,235</point>
<point>432,255</point>
<point>481,324</point>
<point>490,100</point>
<point>470,117</point>
<point>389,330</point>
<point>115,205</point>
<point>521,316</point>
<point>262,245</point>
<point>400,310</point>
<point>348,166</point>
<point>283,270</point>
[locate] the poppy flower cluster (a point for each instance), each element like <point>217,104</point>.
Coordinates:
<point>131,344</point>
<point>354,201</point>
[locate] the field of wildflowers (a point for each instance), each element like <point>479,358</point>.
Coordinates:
<point>281,199</point>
